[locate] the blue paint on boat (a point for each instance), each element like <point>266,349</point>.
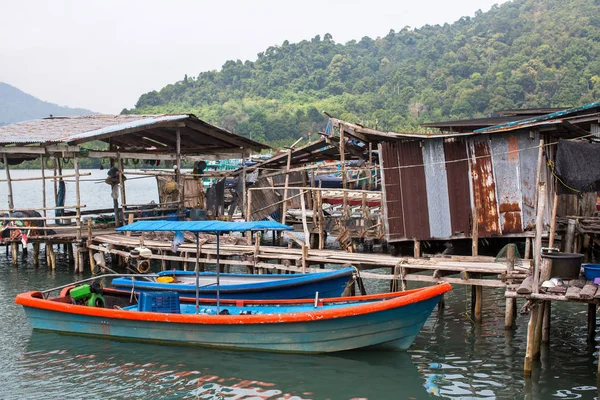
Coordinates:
<point>258,287</point>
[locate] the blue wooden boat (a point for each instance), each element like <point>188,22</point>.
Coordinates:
<point>244,286</point>
<point>389,321</point>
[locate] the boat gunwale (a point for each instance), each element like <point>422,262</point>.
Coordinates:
<point>293,281</point>
<point>34,299</point>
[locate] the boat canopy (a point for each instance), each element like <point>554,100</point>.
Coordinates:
<point>204,226</point>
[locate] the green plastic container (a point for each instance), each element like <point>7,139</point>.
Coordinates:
<point>80,292</point>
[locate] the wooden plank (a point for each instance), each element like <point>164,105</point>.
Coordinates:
<point>588,291</point>
<point>573,292</point>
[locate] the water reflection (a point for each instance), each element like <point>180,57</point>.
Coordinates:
<point>73,365</point>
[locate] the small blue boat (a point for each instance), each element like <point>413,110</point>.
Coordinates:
<point>385,321</point>
<point>244,286</point>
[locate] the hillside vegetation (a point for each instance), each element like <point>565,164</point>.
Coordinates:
<point>17,106</point>
<point>522,54</point>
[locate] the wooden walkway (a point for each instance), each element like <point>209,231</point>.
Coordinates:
<point>479,271</point>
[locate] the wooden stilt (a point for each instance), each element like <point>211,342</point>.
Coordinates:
<point>570,236</point>
<point>304,221</point>
<point>14,246</point>
<point>527,254</point>
<point>249,217</point>
<point>591,321</point>
<point>546,324</point>
<point>509,312</point>
<point>285,189</point>
<point>76,258</point>
<point>36,254</point>
<point>122,187</point>
<point>417,249</point>
<point>538,331</point>
<point>43,169</point>
<point>528,364</point>
<point>478,303</point>
<point>52,256</point>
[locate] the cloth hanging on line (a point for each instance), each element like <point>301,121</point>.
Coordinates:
<point>578,167</point>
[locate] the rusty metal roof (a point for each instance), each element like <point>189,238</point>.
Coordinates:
<point>127,131</point>
<point>530,122</point>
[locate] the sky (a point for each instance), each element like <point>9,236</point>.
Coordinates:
<point>103,54</point>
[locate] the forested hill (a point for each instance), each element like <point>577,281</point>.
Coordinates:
<point>525,53</point>
<point>16,106</point>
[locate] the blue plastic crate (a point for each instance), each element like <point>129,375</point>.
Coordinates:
<point>163,302</point>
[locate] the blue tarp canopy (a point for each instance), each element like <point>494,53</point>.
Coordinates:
<point>204,226</point>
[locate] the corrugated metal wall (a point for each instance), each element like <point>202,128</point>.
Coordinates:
<point>433,197</point>
<point>505,158</point>
<point>436,180</point>
<point>459,188</point>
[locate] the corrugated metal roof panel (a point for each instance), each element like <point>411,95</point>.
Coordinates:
<point>536,120</point>
<point>63,129</point>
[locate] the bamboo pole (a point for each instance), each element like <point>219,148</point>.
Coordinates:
<point>122,187</point>
<point>553,222</point>
<point>44,177</point>
<point>539,228</point>
<point>287,182</point>
<point>77,198</point>
<point>89,241</point>
<point>305,222</point>
<point>342,150</point>
<point>9,181</point>
<point>178,173</point>
<point>54,177</point>
<point>248,216</point>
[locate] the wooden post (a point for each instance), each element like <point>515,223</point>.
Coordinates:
<point>36,254</point>
<point>14,245</point>
<point>476,291</point>
<point>553,221</point>
<point>527,254</point>
<point>546,323</point>
<point>122,186</point>
<point>475,232</point>
<point>9,183</point>
<point>178,173</point>
<point>89,242</point>
<point>304,258</point>
<point>257,252</point>
<point>249,217</point>
<point>509,312</point>
<point>570,236</point>
<point>304,222</point>
<point>285,189</point>
<point>54,165</point>
<point>129,221</point>
<point>478,303</point>
<point>77,198</point>
<point>591,321</point>
<point>539,229</point>
<point>528,364</point>
<point>43,169</point>
<point>342,151</point>
<point>417,249</point>
<point>321,220</point>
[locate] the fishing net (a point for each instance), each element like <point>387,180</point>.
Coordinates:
<point>502,256</point>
